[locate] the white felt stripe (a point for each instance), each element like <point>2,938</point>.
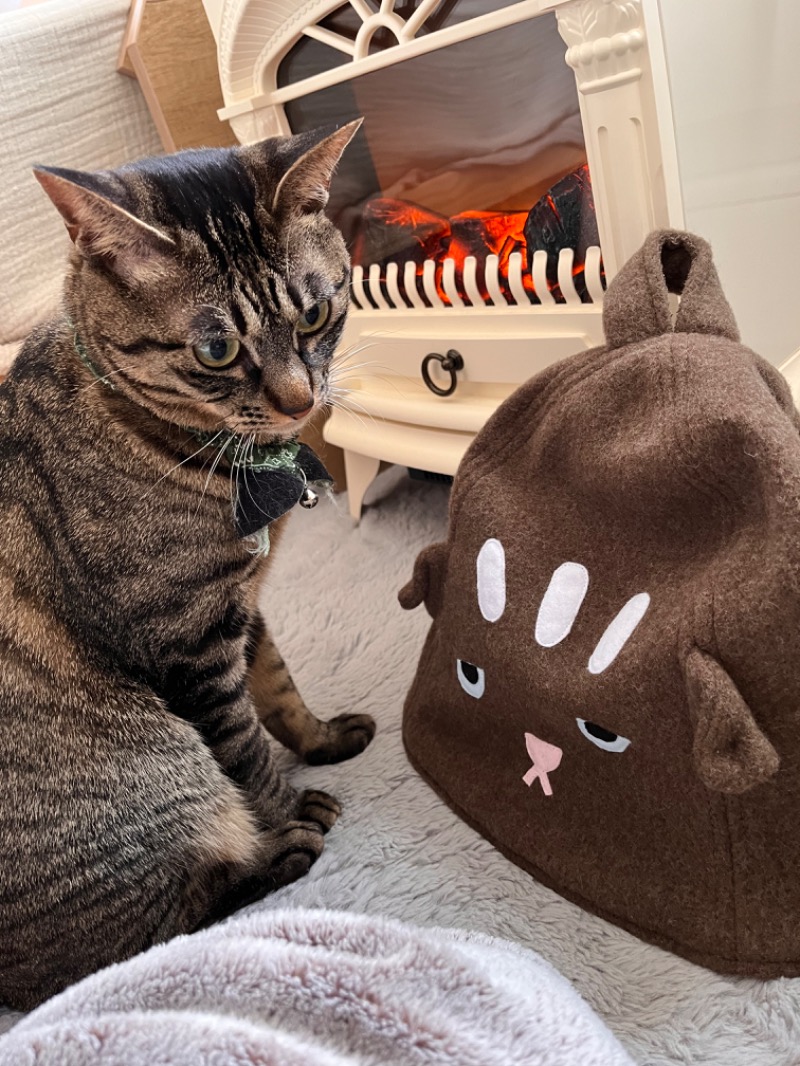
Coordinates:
<point>618,632</point>
<point>561,603</point>
<point>492,580</point>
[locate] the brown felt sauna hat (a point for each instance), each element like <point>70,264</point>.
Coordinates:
<point>610,689</point>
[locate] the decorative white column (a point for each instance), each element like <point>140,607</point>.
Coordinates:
<point>622,98</point>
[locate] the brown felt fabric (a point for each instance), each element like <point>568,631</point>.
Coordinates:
<point>665,463</point>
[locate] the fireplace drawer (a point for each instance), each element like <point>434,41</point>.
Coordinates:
<point>399,399</point>
<point>506,358</point>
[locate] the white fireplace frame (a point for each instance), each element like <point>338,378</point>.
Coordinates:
<point>616,52</point>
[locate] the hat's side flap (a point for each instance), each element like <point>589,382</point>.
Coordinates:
<point>426,584</point>
<point>731,754</point>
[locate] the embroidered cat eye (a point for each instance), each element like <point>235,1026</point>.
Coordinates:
<point>603,738</point>
<point>312,320</point>
<point>217,352</point>
<point>471,678</point>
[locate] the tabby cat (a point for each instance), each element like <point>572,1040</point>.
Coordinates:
<point>138,796</point>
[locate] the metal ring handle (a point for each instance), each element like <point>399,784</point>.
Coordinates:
<point>450,362</point>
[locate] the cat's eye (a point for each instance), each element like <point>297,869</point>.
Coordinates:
<point>603,738</point>
<point>312,320</point>
<point>471,678</point>
<point>217,352</point>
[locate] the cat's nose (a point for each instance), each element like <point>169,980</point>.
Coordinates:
<point>296,412</point>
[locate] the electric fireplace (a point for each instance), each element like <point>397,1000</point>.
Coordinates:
<point>497,183</point>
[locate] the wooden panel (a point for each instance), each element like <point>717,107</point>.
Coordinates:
<point>169,48</point>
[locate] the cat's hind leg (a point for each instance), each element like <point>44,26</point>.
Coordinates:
<point>281,709</point>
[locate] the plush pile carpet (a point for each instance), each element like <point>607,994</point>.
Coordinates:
<point>398,851</point>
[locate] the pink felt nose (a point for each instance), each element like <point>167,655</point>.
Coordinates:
<point>545,757</point>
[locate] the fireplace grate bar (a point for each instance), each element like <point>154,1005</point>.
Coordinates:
<point>441,284</point>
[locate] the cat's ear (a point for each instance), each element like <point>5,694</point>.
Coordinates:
<point>304,187</point>
<point>101,229</point>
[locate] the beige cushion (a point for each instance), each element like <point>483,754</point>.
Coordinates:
<point>63,104</point>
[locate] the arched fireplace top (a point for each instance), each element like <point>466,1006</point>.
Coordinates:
<point>255,35</point>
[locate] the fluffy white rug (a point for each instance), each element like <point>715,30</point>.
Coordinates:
<point>398,851</point>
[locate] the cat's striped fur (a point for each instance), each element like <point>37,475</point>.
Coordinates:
<point>138,796</point>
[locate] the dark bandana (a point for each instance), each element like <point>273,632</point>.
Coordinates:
<point>267,491</point>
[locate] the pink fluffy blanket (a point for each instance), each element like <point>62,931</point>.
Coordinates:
<point>319,988</point>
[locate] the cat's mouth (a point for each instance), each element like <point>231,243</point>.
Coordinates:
<point>274,422</point>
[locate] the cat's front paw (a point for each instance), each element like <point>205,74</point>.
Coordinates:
<point>291,851</point>
<point>343,738</point>
<point>320,808</point>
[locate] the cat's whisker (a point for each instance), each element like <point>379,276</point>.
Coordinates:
<point>337,404</point>
<point>354,349</point>
<point>361,345</point>
<point>345,398</point>
<point>247,487</point>
<point>350,351</point>
<point>103,379</point>
<point>177,466</point>
<point>341,385</point>
<point>366,364</point>
<point>340,382</point>
<point>346,373</point>
<point>334,388</point>
<point>232,474</point>
<point>248,460</point>
<point>217,459</point>
<point>235,467</point>
<point>342,398</point>
<point>354,415</point>
<point>340,373</point>
<point>350,368</point>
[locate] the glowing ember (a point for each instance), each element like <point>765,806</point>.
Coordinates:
<point>400,231</point>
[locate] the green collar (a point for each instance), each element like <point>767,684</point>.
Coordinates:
<point>280,455</point>
<point>84,357</point>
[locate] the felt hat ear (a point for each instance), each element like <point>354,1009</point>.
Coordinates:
<point>731,754</point>
<point>427,584</point>
<point>101,229</point>
<point>304,187</point>
<point>636,306</point>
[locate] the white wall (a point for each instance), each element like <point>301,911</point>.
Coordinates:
<point>734,71</point>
